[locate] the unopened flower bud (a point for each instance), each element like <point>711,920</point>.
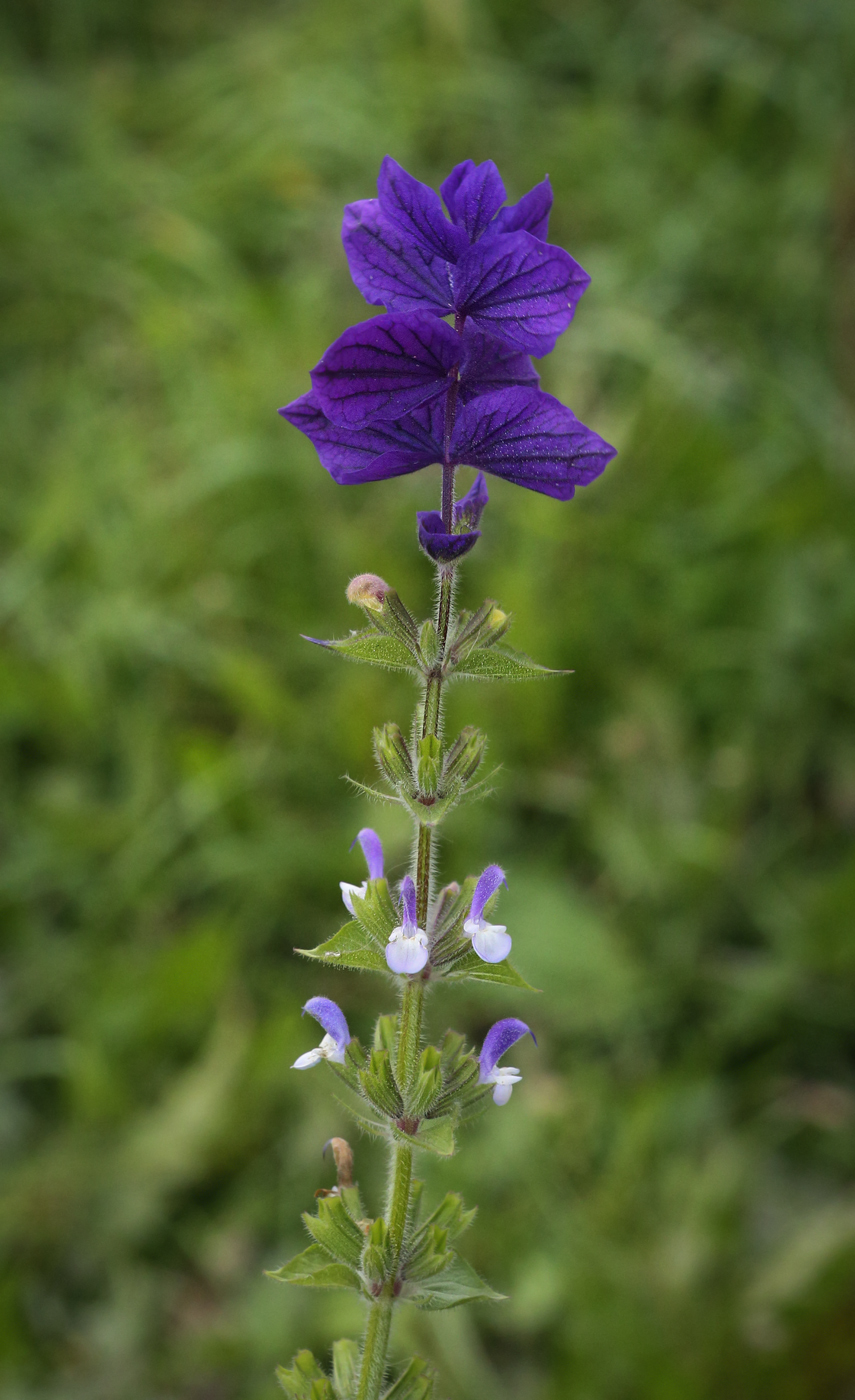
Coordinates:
<point>465,756</point>
<point>392,753</point>
<point>496,626</point>
<point>368,591</point>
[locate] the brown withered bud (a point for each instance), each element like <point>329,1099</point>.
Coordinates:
<point>368,591</point>
<point>343,1157</point>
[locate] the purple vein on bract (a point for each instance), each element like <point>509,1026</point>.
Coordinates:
<point>384,367</point>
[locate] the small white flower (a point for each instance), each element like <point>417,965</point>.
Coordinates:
<point>491,942</point>
<point>336,1040</point>
<point>498,1039</point>
<point>327,1050</point>
<point>504,1077</point>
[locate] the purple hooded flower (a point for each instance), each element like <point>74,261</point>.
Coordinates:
<point>521,434</point>
<point>406,951</point>
<point>444,547</point>
<point>491,942</point>
<point>497,1041</point>
<point>337,1037</point>
<point>486,264</point>
<point>372,849</point>
<point>384,367</point>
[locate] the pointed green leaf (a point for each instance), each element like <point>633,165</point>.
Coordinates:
<point>415,1382</point>
<point>503,663</point>
<point>457,1284</point>
<point>351,947</point>
<point>374,648</point>
<point>314,1269</point>
<point>345,1377</point>
<point>304,1379</point>
<point>372,793</point>
<point>470,968</point>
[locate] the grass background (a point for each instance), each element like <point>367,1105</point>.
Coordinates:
<point>668,1200</point>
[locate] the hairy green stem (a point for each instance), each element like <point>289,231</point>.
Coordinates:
<point>376,1344</point>
<point>374,1349</point>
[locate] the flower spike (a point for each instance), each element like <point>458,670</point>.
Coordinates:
<point>337,1037</point>
<point>372,849</point>
<point>497,1041</point>
<point>491,942</point>
<point>406,951</point>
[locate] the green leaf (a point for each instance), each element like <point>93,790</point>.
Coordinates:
<point>415,1382</point>
<point>314,1269</point>
<point>345,1376</point>
<point>503,663</point>
<point>374,648</point>
<point>470,968</point>
<point>351,947</point>
<point>457,1284</point>
<point>333,1229</point>
<point>304,1379</point>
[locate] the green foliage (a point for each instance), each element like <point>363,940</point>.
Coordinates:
<point>313,1269</point>
<point>345,1376</point>
<point>304,1380</point>
<point>676,817</point>
<point>457,1283</point>
<point>334,1230</point>
<point>416,1382</point>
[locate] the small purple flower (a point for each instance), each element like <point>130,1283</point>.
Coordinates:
<point>337,1037</point>
<point>387,366</point>
<point>406,951</point>
<point>497,1041</point>
<point>372,849</point>
<point>444,547</point>
<point>491,942</point>
<point>520,434</point>
<point>488,264</point>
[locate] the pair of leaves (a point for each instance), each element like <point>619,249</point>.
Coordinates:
<point>498,662</point>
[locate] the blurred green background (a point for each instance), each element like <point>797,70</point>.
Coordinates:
<point>668,1199</point>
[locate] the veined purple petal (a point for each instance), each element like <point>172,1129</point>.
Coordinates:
<point>530,214</point>
<point>372,849</point>
<point>488,883</point>
<point>416,210</point>
<point>440,546</point>
<point>498,1040</point>
<point>408,903</point>
<point>519,288</point>
<point>374,452</point>
<point>472,195</point>
<point>331,1017</point>
<point>489,363</point>
<point>389,268</point>
<point>528,437</point>
<point>384,367</point>
<point>469,509</point>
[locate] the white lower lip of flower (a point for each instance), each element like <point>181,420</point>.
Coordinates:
<point>328,1049</point>
<point>407,952</point>
<point>504,1080</point>
<point>348,892</point>
<point>491,942</point>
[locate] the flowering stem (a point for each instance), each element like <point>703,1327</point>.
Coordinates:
<point>375,1346</point>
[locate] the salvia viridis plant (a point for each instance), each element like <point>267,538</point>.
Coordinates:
<point>442,377</point>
